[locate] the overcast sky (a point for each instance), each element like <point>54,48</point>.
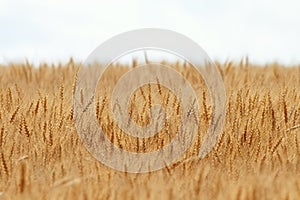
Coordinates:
<point>54,30</point>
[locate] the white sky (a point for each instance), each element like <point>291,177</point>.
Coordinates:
<point>54,30</point>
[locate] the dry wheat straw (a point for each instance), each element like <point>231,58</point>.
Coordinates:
<point>22,177</point>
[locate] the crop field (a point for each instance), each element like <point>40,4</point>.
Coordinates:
<point>257,155</point>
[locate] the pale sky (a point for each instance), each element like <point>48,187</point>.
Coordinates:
<point>52,31</point>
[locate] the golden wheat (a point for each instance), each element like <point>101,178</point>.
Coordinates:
<point>256,157</point>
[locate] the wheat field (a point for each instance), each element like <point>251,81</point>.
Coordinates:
<point>257,155</point>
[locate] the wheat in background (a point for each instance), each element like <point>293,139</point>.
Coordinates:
<point>256,157</point>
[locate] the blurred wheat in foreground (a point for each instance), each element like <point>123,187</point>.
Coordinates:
<point>257,156</point>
